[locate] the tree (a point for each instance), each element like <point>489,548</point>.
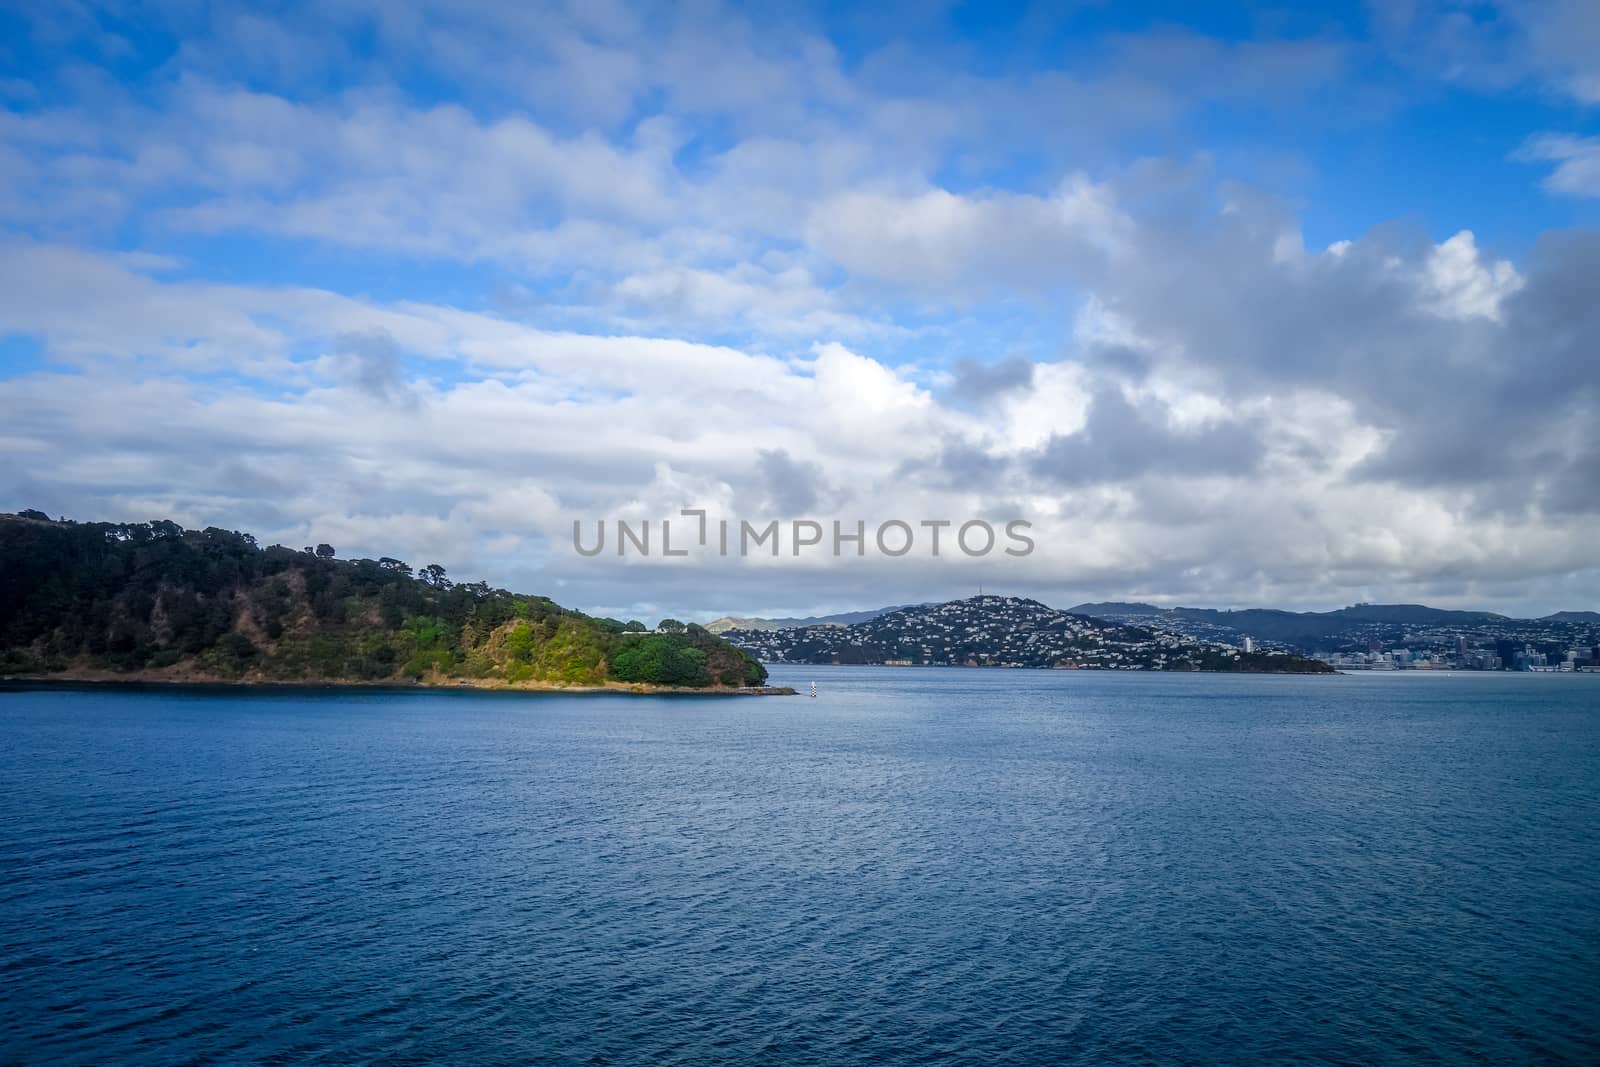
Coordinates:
<point>670,626</point>
<point>434,575</point>
<point>660,660</point>
<point>324,551</point>
<point>237,647</point>
<point>634,626</point>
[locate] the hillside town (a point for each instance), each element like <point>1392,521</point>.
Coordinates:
<point>1389,637</point>
<point>996,631</point>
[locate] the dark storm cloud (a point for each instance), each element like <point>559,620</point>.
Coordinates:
<point>1478,381</point>
<point>790,486</point>
<point>1575,488</point>
<point>1123,361</point>
<point>1557,314</point>
<point>975,383</point>
<point>370,361</point>
<point>1513,414</point>
<point>968,466</point>
<point>960,464</point>
<point>1122,441</point>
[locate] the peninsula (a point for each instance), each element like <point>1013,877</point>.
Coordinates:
<point>154,602</point>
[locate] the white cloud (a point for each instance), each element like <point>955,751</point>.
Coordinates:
<point>958,246</point>
<point>647,257</point>
<point>1464,285</point>
<point>1577,160</point>
<point>1498,44</point>
<point>531,429</point>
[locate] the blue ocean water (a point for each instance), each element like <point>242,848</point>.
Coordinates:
<point>918,866</point>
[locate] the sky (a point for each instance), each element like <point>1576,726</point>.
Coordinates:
<point>1237,305</point>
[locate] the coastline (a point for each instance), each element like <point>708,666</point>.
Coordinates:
<point>155,679</point>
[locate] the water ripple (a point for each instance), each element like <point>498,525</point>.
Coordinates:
<point>918,867</point>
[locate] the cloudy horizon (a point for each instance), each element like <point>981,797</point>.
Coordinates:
<point>1292,310</point>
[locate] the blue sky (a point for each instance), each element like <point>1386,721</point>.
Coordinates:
<point>1238,304</point>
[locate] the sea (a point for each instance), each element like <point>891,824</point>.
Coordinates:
<point>917,866</point>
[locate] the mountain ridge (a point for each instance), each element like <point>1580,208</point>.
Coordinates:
<point>1102,609</point>
<point>1349,626</point>
<point>844,618</point>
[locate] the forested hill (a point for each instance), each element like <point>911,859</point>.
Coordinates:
<point>156,601</point>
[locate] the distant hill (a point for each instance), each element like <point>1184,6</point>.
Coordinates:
<point>1413,614</point>
<point>1312,630</point>
<point>1107,609</point>
<point>993,631</point>
<point>157,602</point>
<point>1400,613</point>
<point>733,622</point>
